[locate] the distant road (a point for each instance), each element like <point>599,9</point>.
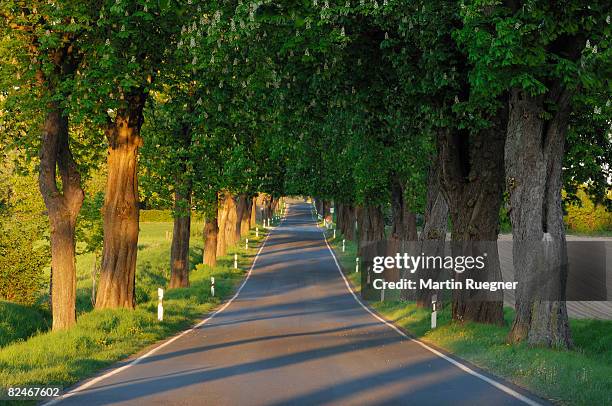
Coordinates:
<point>295,335</point>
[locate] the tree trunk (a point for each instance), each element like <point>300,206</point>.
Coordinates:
<point>371,225</point>
<point>534,158</point>
<point>472,181</point>
<point>339,216</point>
<point>232,235</point>
<point>404,221</point>
<point>222,217</point>
<point>349,217</point>
<point>269,207</point>
<point>241,209</point>
<point>245,224</point>
<point>121,211</point>
<point>179,252</point>
<point>211,231</point>
<point>253,212</point>
<point>433,236</point>
<point>63,208</point>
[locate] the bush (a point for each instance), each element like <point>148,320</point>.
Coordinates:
<point>588,217</point>
<point>155,216</point>
<point>23,258</point>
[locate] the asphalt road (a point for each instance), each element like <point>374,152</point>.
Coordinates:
<point>294,335</point>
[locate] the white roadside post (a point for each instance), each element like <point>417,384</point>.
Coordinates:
<point>212,286</point>
<point>357,264</point>
<point>235,261</point>
<point>257,231</point>
<point>334,233</point>
<point>246,244</point>
<point>343,245</point>
<point>160,306</point>
<point>434,311</point>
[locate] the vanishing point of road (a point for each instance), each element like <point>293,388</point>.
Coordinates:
<point>295,335</point>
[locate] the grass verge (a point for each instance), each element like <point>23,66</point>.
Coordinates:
<point>577,377</point>
<point>102,337</point>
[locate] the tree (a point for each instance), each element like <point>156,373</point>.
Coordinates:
<point>545,56</point>
<point>122,55</point>
<point>45,61</point>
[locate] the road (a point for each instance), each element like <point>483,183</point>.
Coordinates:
<point>295,335</point>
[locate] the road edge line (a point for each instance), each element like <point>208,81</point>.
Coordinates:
<point>463,367</point>
<point>137,360</point>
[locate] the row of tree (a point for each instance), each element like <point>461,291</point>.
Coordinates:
<point>127,77</point>
<point>451,109</point>
<point>445,108</point>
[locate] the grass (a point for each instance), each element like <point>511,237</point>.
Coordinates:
<point>581,376</point>
<point>18,322</point>
<point>102,337</point>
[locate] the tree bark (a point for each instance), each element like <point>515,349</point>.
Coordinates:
<point>371,225</point>
<point>349,217</point>
<point>222,217</point>
<point>241,210</point>
<point>433,236</point>
<point>339,216</point>
<point>232,235</point>
<point>63,208</point>
<point>472,181</point>
<point>253,212</point>
<point>121,211</point>
<point>404,221</point>
<point>534,158</point>
<point>211,231</point>
<point>268,202</point>
<point>179,252</point>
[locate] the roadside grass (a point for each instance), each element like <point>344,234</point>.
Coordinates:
<point>18,322</point>
<point>581,376</point>
<point>102,337</point>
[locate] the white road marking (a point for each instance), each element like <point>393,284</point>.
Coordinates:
<point>458,364</point>
<point>115,371</point>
